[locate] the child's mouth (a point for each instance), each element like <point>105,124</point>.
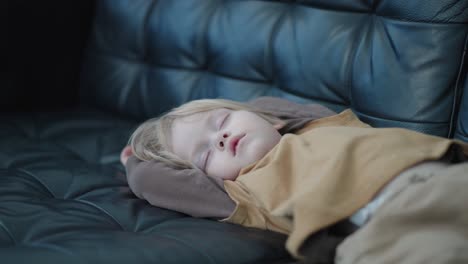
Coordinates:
<point>234,143</point>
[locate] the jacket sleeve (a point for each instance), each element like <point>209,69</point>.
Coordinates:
<point>187,191</point>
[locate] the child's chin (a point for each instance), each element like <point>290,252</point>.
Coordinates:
<point>232,176</point>
<point>258,153</point>
<point>228,177</point>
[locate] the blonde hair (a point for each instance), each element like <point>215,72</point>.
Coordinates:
<point>150,141</point>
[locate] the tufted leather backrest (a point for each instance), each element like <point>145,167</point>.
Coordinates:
<point>394,62</point>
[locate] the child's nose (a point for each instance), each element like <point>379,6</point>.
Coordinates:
<point>222,141</point>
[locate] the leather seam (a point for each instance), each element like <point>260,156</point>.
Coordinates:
<point>458,90</point>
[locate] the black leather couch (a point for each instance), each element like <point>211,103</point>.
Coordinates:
<point>82,74</point>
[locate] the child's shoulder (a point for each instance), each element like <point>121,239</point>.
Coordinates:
<point>344,118</point>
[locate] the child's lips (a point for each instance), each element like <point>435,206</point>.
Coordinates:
<point>234,143</point>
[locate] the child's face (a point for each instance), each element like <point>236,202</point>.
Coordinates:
<point>221,142</point>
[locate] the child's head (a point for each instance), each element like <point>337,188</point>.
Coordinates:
<point>217,136</point>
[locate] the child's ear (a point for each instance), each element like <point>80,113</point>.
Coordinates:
<point>279,125</point>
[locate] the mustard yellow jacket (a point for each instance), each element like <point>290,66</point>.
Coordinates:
<point>325,173</point>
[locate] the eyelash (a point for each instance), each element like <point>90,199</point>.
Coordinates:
<point>205,162</point>
<point>224,120</point>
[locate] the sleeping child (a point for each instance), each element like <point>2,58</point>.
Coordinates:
<point>329,169</point>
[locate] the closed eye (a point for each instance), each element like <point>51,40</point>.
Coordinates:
<point>205,162</point>
<point>223,121</point>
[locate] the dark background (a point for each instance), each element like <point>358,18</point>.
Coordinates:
<point>41,47</point>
